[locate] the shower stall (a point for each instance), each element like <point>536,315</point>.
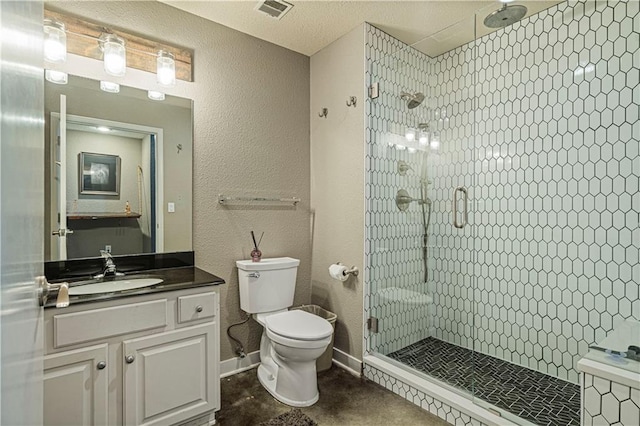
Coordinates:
<point>502,202</point>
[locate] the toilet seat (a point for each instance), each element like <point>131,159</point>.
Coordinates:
<point>298,329</point>
<point>299,325</point>
<point>299,344</point>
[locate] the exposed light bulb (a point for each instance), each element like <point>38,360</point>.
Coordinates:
<point>115,57</point>
<point>423,139</point>
<point>57,77</point>
<point>103,129</point>
<point>156,96</point>
<point>166,69</point>
<point>410,134</point>
<point>55,41</point>
<point>110,87</point>
<point>435,140</point>
<point>114,64</point>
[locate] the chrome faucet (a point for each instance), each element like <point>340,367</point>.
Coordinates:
<point>109,266</point>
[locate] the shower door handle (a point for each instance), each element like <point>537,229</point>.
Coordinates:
<point>465,215</point>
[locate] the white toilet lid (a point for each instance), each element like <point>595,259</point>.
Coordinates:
<point>300,325</point>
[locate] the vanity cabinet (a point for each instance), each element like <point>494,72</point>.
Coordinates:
<point>142,360</point>
<point>168,374</point>
<point>79,376</point>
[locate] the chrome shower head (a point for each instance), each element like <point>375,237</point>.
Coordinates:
<point>506,15</point>
<point>413,100</point>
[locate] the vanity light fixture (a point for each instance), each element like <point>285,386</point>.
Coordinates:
<point>166,68</point>
<point>109,87</point>
<point>155,96</point>
<point>55,41</point>
<point>118,49</point>
<point>57,77</point>
<point>114,54</point>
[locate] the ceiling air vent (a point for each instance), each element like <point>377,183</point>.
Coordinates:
<point>274,8</point>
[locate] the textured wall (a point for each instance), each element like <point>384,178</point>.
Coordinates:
<point>337,179</point>
<point>251,135</point>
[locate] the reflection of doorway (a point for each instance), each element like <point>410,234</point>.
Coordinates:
<point>126,222</point>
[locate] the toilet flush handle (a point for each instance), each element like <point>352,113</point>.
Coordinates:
<point>254,275</point>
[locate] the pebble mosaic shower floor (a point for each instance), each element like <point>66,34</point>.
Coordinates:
<point>536,397</point>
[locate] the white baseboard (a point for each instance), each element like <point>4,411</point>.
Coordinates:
<point>341,359</point>
<point>347,362</point>
<point>232,366</point>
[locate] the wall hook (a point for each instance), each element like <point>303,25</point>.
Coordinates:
<point>352,101</point>
<point>324,113</point>
<point>179,146</point>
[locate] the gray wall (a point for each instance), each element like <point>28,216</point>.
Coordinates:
<point>251,135</point>
<point>337,182</point>
<point>90,236</point>
<point>128,149</point>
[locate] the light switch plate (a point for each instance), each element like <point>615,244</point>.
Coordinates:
<point>171,207</point>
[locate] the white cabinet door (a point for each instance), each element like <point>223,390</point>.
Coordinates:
<point>75,387</point>
<point>171,377</point>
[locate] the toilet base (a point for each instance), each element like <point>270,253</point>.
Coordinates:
<point>269,382</point>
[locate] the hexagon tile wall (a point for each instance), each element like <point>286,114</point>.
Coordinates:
<point>609,403</point>
<point>552,185</point>
<point>540,121</point>
<point>394,270</point>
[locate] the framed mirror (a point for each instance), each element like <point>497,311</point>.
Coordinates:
<point>118,171</point>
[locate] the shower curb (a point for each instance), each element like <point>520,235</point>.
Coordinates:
<point>439,394</point>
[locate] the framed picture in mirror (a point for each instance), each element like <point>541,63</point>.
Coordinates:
<point>99,174</point>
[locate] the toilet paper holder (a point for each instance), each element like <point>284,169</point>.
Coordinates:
<point>353,271</point>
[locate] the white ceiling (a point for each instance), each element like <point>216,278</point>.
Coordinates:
<point>312,25</point>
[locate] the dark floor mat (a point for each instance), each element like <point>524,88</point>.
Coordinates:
<point>291,418</point>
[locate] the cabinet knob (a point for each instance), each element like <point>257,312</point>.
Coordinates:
<point>101,365</point>
<point>129,359</point>
<point>199,308</point>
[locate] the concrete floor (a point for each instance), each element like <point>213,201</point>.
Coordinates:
<point>344,400</point>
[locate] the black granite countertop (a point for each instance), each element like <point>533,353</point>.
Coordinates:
<point>173,279</point>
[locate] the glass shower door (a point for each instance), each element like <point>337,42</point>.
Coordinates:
<point>420,255</point>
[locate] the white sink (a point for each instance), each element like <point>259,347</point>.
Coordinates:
<point>112,286</point>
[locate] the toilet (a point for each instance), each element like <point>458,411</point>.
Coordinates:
<point>291,340</point>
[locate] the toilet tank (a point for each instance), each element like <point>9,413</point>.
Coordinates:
<point>268,285</point>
